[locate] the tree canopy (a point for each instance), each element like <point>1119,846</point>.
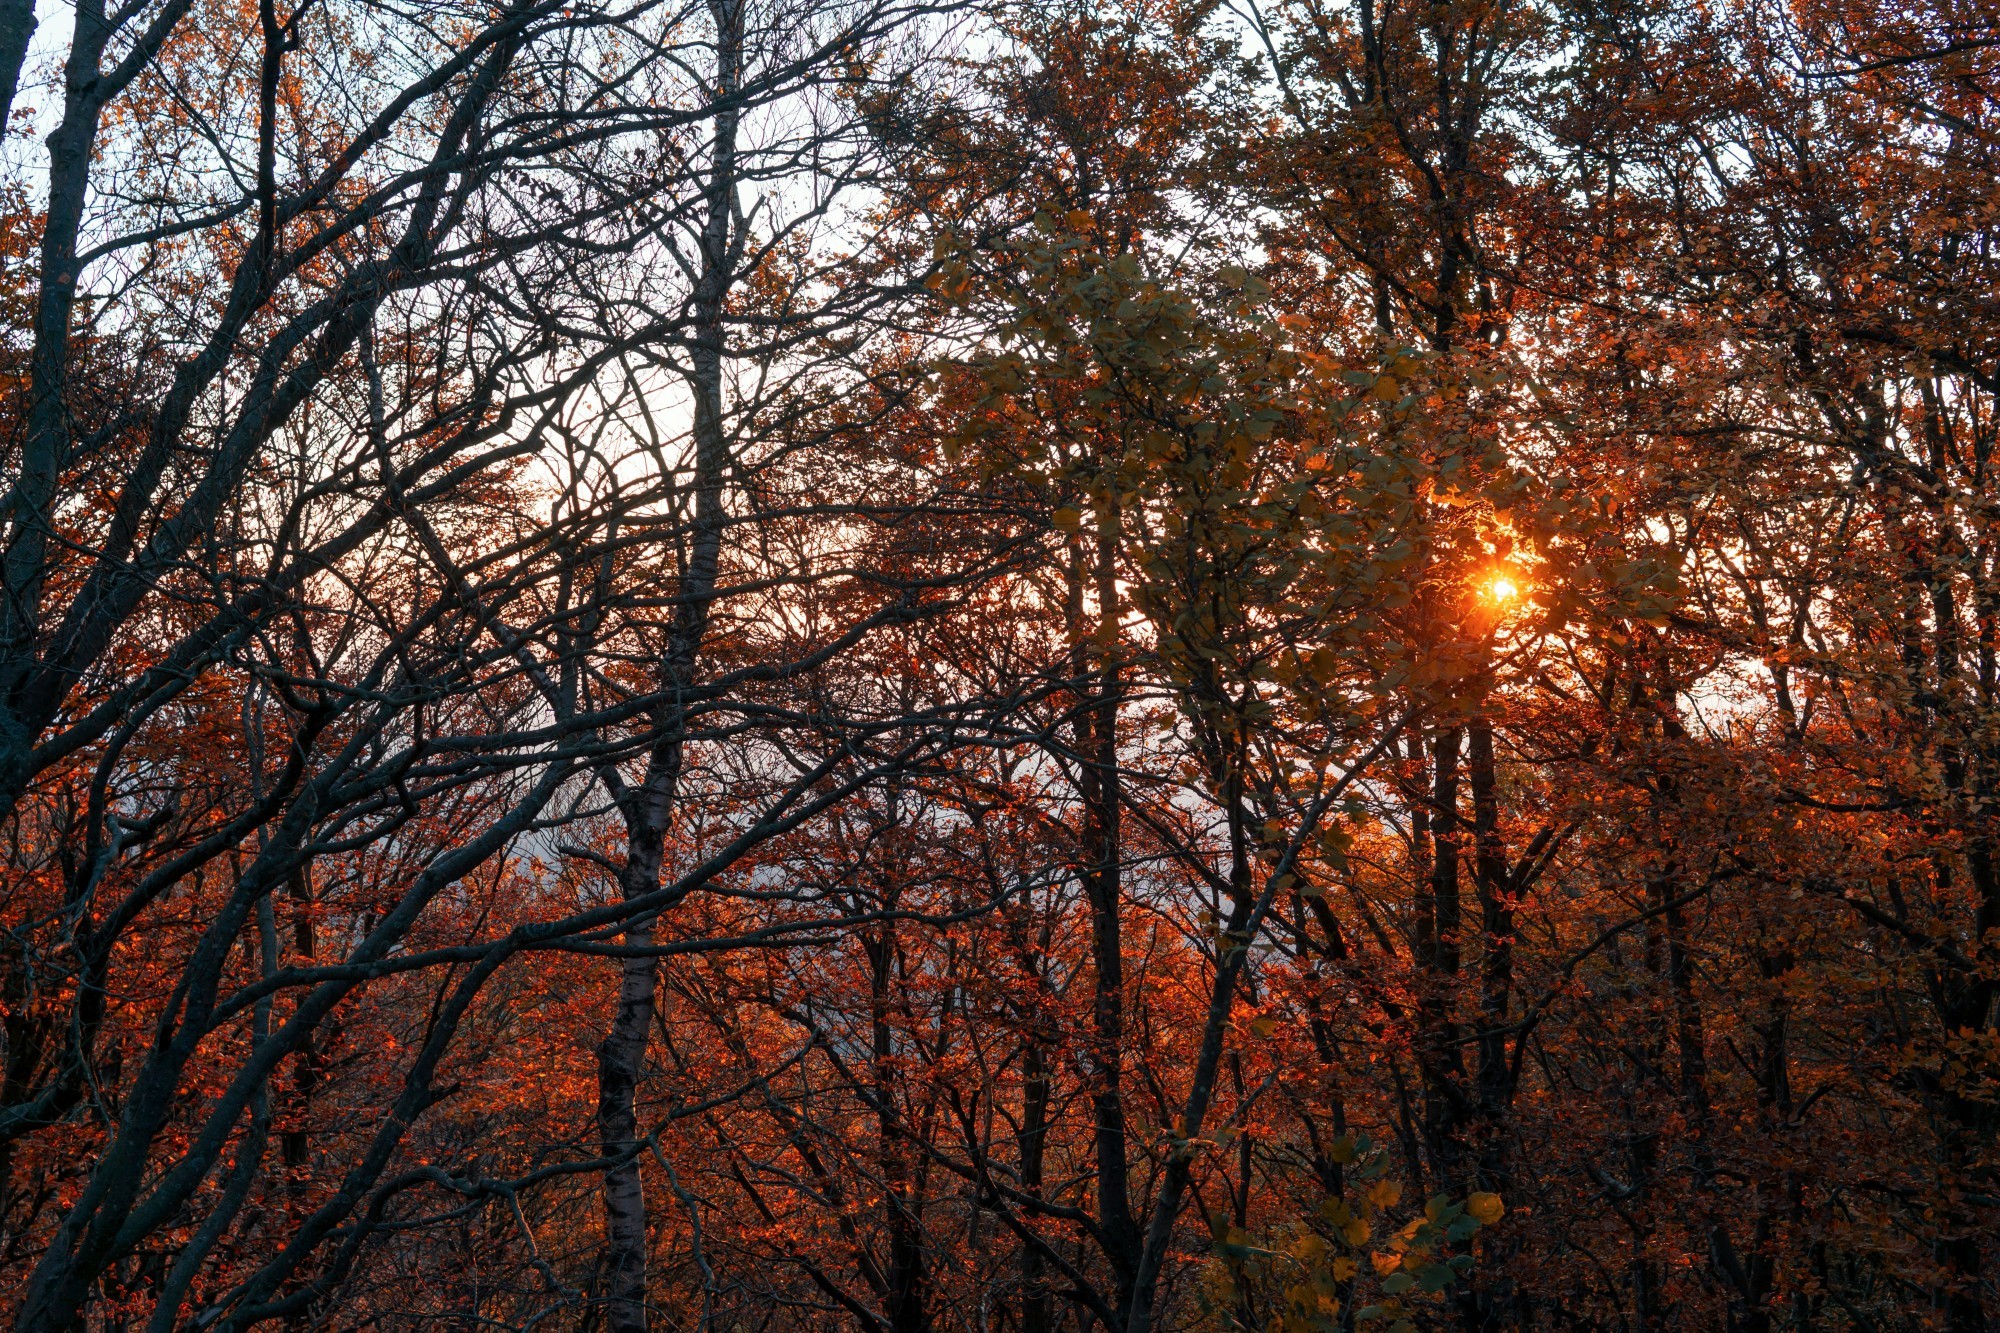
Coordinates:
<point>999,666</point>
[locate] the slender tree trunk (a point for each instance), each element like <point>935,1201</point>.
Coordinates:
<point>1035,1308</point>
<point>1100,789</point>
<point>1495,1299</point>
<point>1445,1099</point>
<point>648,808</point>
<point>296,1139</point>
<point>621,1060</point>
<point>1037,1314</point>
<point>905,1276</point>
<point>1496,973</point>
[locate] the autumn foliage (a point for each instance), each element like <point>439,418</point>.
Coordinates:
<point>1153,665</point>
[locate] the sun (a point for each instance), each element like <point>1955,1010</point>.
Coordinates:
<point>1502,589</point>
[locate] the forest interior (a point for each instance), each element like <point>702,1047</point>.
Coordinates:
<point>1000,666</point>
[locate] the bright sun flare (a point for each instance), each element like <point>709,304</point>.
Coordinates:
<point>1502,589</point>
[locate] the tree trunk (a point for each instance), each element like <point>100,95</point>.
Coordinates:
<point>648,808</point>
<point>1100,789</point>
<point>1439,960</point>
